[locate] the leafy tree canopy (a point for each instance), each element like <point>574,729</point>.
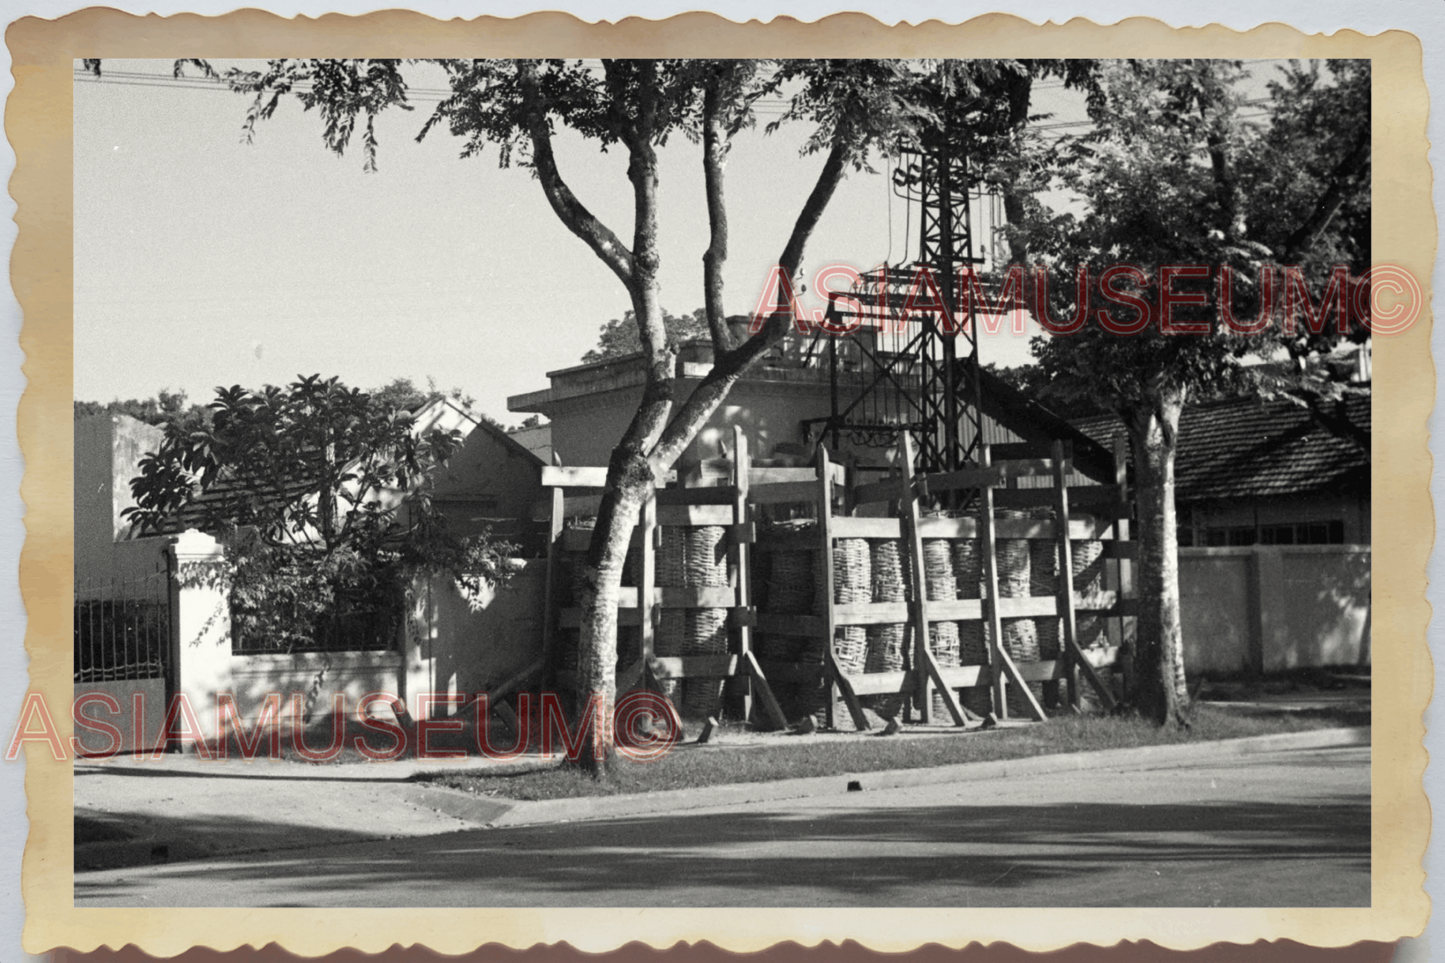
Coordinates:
<point>319,493</point>
<point>166,407</point>
<point>620,336</point>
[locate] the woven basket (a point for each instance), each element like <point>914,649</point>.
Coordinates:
<point>705,557</point>
<point>852,583</point>
<point>704,633</point>
<point>1044,581</point>
<point>968,568</point>
<point>885,642</point>
<point>1088,567</point>
<point>790,582</point>
<point>671,623</point>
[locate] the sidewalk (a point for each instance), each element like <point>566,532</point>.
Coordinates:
<point>131,813</point>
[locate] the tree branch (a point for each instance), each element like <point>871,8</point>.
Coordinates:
<point>1349,168</point>
<point>729,367</point>
<point>569,210</point>
<point>714,157</point>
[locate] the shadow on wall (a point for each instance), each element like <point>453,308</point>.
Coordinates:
<point>461,644</point>
<point>1328,610</point>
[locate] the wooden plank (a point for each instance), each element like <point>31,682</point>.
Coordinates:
<point>699,597</point>
<point>956,610</point>
<point>948,527</point>
<point>966,478</point>
<point>684,515</point>
<point>587,476</point>
<point>1028,607</point>
<point>787,623</point>
<point>866,528</point>
<point>882,683</point>
<point>792,671</point>
<point>574,476</point>
<point>785,493</point>
<point>1093,527</point>
<point>719,495</point>
<point>870,613</point>
<point>886,490</point>
<point>692,666</point>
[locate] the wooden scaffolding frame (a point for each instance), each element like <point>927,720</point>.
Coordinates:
<point>726,491</point>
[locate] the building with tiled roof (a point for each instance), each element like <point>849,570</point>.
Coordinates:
<point>1254,471</point>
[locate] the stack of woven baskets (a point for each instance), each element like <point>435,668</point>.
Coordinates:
<point>885,642</point>
<point>972,635</point>
<point>694,557</point>
<point>941,583</point>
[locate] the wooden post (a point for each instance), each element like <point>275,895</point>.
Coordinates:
<point>553,589</point>
<point>647,611</point>
<point>1122,577</point>
<point>988,543</point>
<point>925,666</point>
<point>825,559</point>
<point>908,516</point>
<point>1072,654</point>
<point>741,574</point>
<point>837,680</point>
<point>1064,586</point>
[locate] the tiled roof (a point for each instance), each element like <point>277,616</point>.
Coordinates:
<point>1254,448</point>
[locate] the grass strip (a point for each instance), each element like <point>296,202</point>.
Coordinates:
<point>784,757</point>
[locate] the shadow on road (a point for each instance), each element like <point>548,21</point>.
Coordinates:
<point>860,857</point>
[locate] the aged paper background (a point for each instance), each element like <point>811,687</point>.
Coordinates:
<point>38,126</point>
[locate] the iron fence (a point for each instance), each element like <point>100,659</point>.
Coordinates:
<point>122,627</point>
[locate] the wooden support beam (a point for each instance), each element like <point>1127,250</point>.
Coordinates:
<point>1064,585</point>
<point>771,709</point>
<point>647,578</point>
<point>926,667</point>
<point>989,545</point>
<point>785,493</point>
<point>740,565</point>
<point>552,600</point>
<point>823,488</point>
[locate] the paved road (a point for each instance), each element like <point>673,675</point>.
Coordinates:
<point>1278,829</point>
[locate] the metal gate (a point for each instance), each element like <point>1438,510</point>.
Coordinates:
<point>123,641</point>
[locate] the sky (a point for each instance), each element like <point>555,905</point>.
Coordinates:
<point>203,261</point>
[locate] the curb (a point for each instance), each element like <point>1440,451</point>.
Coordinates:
<point>677,800</point>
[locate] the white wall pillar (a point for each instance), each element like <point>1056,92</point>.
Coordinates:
<point>201,626</point>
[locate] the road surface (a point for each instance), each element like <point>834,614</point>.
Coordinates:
<point>1275,829</point>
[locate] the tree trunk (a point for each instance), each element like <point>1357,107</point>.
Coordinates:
<point>597,646</point>
<point>1160,692</point>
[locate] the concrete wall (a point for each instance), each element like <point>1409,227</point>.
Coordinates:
<point>460,645</point>
<point>1269,608</point>
<point>133,737</point>
<point>352,674</point>
<point>108,449</point>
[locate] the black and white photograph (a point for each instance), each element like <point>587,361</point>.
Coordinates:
<point>937,483</point>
